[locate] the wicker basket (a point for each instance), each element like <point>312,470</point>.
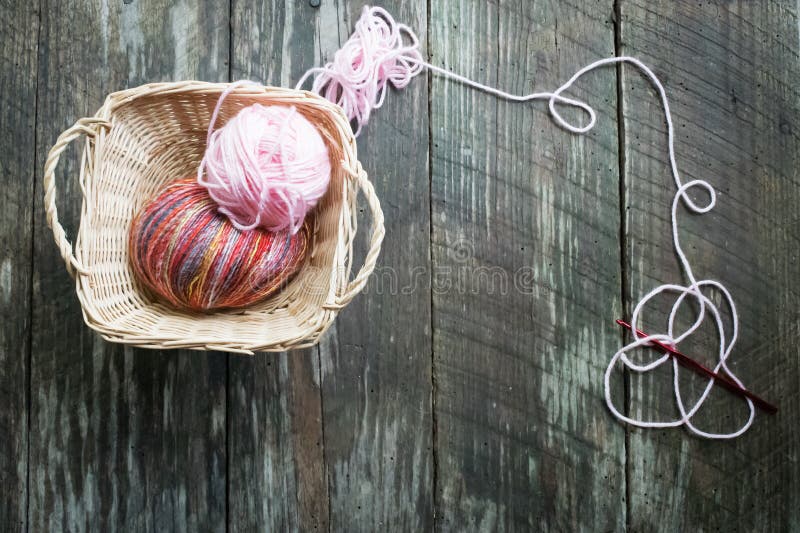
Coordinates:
<point>143,138</point>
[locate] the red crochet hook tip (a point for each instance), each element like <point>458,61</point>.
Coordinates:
<point>697,367</point>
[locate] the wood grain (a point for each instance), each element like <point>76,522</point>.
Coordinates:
<point>19,32</point>
<point>374,471</point>
<point>525,239</point>
<point>276,470</point>
<point>121,439</point>
<point>731,70</point>
<point>376,361</point>
<point>462,390</point>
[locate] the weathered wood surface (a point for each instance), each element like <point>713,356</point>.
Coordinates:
<point>276,472</point>
<point>731,71</point>
<point>463,390</point>
<point>524,441</point>
<point>120,438</point>
<point>373,386</point>
<point>376,364</point>
<point>19,31</point>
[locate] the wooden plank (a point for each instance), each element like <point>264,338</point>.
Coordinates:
<point>376,361</point>
<point>19,31</point>
<point>377,471</point>
<point>731,71</point>
<point>277,476</point>
<point>525,241</point>
<point>120,438</point>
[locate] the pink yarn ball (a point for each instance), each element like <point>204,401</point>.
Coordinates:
<point>267,167</point>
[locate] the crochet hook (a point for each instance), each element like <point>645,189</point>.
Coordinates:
<point>697,367</point>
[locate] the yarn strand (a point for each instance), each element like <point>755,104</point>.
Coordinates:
<point>382,52</point>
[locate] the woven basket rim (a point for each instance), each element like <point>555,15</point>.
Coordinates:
<point>343,287</point>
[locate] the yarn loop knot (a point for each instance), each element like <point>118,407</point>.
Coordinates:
<point>380,51</point>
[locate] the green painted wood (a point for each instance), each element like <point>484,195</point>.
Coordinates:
<point>19,32</point>
<point>731,72</point>
<point>526,251</point>
<point>120,438</point>
<point>376,360</point>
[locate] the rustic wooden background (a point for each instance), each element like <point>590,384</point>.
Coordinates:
<point>449,407</point>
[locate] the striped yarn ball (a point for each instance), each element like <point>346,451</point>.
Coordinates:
<point>193,257</point>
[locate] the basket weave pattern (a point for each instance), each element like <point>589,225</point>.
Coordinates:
<point>143,138</point>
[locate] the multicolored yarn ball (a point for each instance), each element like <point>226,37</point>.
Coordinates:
<point>193,257</point>
<point>267,167</point>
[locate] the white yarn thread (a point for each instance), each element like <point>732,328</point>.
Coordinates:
<point>693,290</point>
<point>377,54</point>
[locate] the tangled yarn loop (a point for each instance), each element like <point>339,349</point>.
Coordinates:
<point>379,52</point>
<point>382,51</point>
<point>267,167</point>
<point>694,288</point>
<point>692,291</point>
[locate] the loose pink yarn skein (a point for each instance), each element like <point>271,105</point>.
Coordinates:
<point>267,167</point>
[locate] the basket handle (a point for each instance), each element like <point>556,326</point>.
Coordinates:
<point>357,283</point>
<point>84,126</point>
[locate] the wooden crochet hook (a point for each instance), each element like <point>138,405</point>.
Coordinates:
<point>697,367</point>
